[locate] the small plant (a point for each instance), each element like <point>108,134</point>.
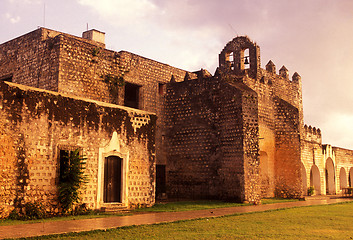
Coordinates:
<point>95,52</point>
<point>114,81</point>
<point>71,180</point>
<point>29,211</point>
<point>311,190</point>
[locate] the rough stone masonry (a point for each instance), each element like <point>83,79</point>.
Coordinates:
<point>152,130</point>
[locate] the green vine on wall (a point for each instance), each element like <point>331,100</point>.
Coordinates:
<point>95,52</point>
<point>71,180</point>
<point>114,83</point>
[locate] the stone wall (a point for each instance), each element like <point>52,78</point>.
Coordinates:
<point>212,138</point>
<point>36,124</point>
<point>280,114</point>
<point>32,60</point>
<point>288,152</point>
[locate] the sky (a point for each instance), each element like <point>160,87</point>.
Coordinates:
<point>311,37</point>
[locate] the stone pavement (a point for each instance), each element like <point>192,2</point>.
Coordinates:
<point>59,227</point>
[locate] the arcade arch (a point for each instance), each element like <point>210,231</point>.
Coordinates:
<point>330,177</point>
<point>315,179</point>
<point>304,179</point>
<point>343,178</point>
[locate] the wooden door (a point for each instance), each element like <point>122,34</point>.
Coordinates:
<point>112,179</point>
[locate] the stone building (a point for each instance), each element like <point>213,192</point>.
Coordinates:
<point>236,135</point>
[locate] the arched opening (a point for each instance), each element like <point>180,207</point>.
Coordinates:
<point>230,59</point>
<point>113,165</point>
<point>315,179</point>
<point>264,173</point>
<point>330,177</point>
<point>350,177</point>
<point>343,178</point>
<point>246,59</point>
<point>304,179</point>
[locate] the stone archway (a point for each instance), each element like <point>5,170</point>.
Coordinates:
<point>330,177</point>
<point>315,179</point>
<point>304,179</point>
<point>113,166</point>
<point>264,173</point>
<point>351,177</point>
<point>343,178</point>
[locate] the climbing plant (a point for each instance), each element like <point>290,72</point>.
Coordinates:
<point>115,82</point>
<point>72,177</point>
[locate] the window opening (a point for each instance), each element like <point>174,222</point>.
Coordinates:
<point>230,59</point>
<point>6,78</point>
<point>161,88</point>
<point>131,98</point>
<point>64,157</point>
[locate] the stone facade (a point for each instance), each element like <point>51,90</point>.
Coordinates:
<point>237,135</point>
<point>328,169</point>
<point>37,125</point>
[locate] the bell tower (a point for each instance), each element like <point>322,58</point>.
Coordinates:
<point>241,56</point>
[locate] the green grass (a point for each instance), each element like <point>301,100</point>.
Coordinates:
<point>314,222</point>
<point>7,222</point>
<point>188,206</point>
<point>200,205</point>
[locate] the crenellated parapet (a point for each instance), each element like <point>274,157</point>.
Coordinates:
<point>312,134</point>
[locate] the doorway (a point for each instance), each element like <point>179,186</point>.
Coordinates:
<point>112,179</point>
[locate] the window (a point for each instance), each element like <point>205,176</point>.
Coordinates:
<point>7,78</point>
<point>230,59</point>
<point>161,88</point>
<point>131,97</point>
<point>64,158</point>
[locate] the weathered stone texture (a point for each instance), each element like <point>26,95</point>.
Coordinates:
<point>212,140</point>
<point>287,156</point>
<point>237,135</point>
<point>37,124</point>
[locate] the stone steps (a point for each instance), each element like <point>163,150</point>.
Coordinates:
<point>114,208</point>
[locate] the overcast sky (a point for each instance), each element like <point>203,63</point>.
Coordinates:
<point>311,37</point>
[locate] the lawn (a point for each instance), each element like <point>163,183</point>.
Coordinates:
<point>203,204</point>
<point>6,222</point>
<point>314,222</point>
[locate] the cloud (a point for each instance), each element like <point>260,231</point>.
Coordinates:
<point>12,19</point>
<point>339,137</point>
<point>25,1</point>
<point>308,37</point>
<point>122,12</point>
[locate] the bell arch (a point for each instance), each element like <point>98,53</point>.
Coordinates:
<point>315,179</point>
<point>330,177</point>
<point>343,178</point>
<point>246,57</point>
